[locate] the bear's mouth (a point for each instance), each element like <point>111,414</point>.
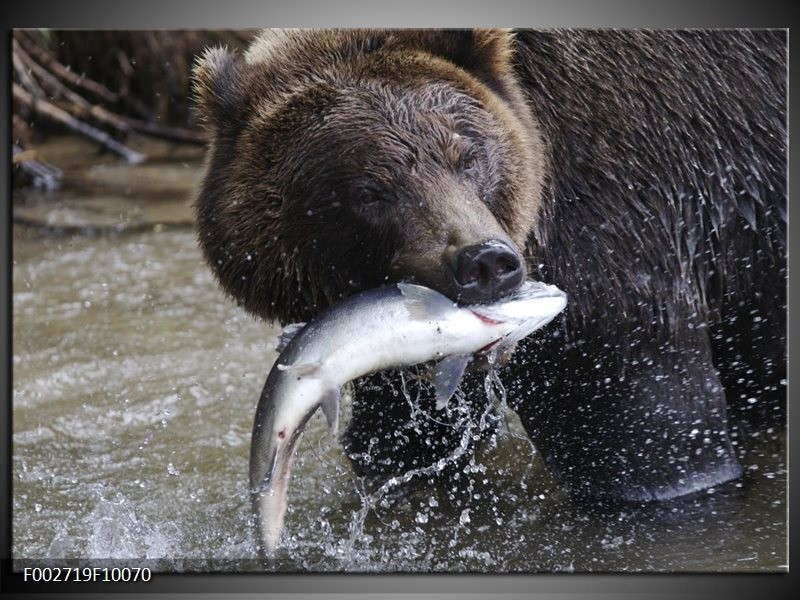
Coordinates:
<point>485,272</point>
<point>469,274</point>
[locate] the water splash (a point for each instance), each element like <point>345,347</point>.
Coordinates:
<point>460,418</point>
<point>160,342</point>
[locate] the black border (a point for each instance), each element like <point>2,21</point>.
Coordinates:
<point>189,14</point>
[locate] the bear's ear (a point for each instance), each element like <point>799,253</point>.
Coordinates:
<point>219,85</point>
<point>485,53</point>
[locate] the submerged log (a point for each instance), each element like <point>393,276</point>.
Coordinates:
<point>43,175</point>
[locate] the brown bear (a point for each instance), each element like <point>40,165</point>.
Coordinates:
<point>643,172</point>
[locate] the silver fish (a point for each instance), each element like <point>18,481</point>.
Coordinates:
<point>387,327</point>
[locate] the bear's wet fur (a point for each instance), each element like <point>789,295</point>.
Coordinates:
<point>309,178</point>
<point>643,172</point>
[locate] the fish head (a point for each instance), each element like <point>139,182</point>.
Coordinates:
<point>531,307</point>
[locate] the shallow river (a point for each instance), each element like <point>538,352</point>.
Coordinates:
<point>135,382</point>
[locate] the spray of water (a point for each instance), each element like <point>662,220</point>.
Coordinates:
<point>460,418</point>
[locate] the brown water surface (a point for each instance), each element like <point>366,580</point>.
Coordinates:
<point>135,382</point>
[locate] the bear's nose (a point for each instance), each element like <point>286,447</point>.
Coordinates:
<point>486,272</point>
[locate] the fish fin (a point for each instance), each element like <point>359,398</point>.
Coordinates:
<point>330,408</point>
<point>287,335</point>
<point>423,303</point>
<point>447,377</point>
<point>300,368</point>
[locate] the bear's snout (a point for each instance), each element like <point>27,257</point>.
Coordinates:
<point>485,272</point>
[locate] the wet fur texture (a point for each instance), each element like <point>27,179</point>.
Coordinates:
<point>346,145</point>
<point>643,172</point>
<point>665,220</point>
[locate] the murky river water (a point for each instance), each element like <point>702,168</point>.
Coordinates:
<point>135,383</point>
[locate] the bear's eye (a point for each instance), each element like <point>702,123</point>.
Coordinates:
<point>469,164</point>
<point>367,196</point>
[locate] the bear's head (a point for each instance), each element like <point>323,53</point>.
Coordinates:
<point>343,160</point>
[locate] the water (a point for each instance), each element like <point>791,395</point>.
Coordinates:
<point>135,385</point>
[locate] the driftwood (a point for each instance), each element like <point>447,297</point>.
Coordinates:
<point>141,74</point>
<point>26,67</point>
<point>79,105</point>
<point>55,67</point>
<point>43,175</point>
<point>53,112</point>
<point>48,89</point>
